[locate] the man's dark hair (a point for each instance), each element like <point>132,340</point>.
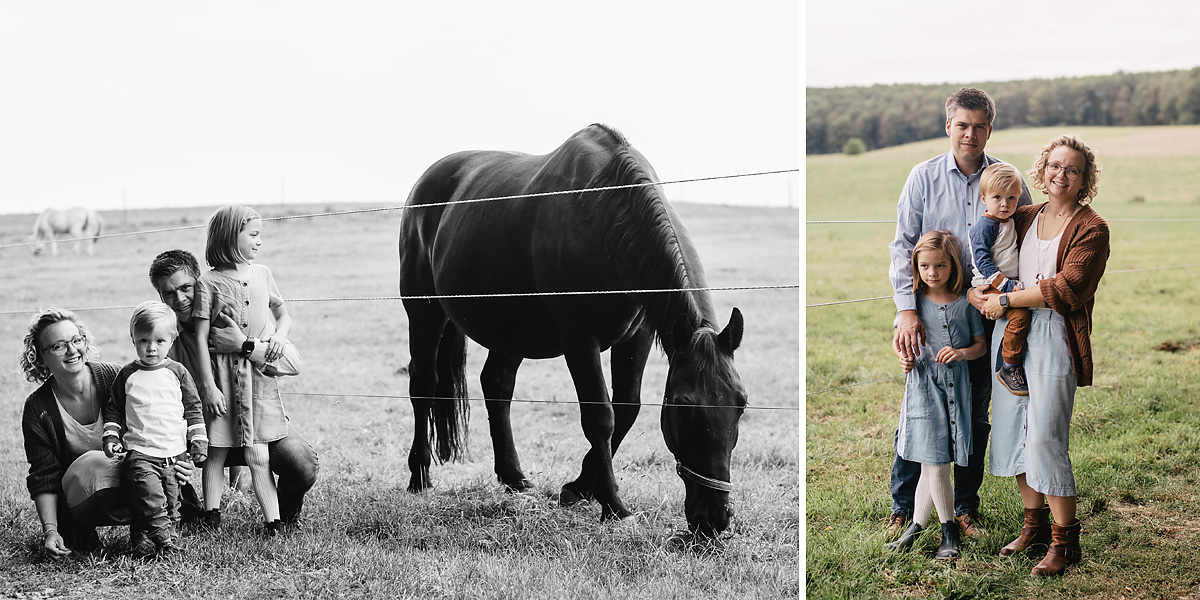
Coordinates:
<point>971,99</point>
<point>167,263</point>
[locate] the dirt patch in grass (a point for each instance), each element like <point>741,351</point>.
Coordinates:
<point>1181,346</point>
<point>1167,524</point>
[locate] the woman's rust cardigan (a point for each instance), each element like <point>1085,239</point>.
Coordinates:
<point>1082,255</point>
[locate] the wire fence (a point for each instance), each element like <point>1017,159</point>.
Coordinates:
<point>429,205</point>
<point>563,193</point>
<point>819,305</point>
<point>532,401</point>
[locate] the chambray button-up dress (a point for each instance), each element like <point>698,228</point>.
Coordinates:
<point>935,417</point>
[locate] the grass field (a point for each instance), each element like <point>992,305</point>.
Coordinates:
<point>365,536</point>
<point>1135,443</point>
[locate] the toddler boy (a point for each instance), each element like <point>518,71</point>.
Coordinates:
<point>154,414</point>
<point>994,254</point>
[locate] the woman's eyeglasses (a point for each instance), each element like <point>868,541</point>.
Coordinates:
<point>59,348</point>
<point>1054,168</point>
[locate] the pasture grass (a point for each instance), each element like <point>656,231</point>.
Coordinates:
<point>1135,446</point>
<point>365,535</point>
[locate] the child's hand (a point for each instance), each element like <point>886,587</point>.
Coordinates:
<point>198,448</point>
<point>112,446</point>
<point>948,355</point>
<point>214,402</point>
<point>907,363</point>
<point>275,348</point>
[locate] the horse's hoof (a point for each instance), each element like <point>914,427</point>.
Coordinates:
<point>569,497</point>
<point>417,485</point>
<point>622,515</point>
<point>683,541</point>
<point>521,485</point>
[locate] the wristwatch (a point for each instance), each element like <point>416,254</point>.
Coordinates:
<point>247,348</point>
<point>1004,300</point>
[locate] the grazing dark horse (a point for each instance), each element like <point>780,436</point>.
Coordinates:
<point>622,239</point>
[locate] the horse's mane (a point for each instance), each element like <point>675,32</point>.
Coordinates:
<point>643,237</point>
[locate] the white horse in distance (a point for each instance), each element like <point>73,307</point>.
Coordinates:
<point>83,225</point>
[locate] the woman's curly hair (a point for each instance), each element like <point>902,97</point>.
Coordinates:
<point>31,357</point>
<point>1091,170</point>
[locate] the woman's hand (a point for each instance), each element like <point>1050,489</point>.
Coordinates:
<point>54,545</point>
<point>214,402</point>
<point>991,307</point>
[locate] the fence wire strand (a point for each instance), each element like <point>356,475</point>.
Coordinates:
<point>432,204</point>
<point>531,401</point>
<point>893,221</point>
<point>1183,266</point>
<point>842,387</point>
<point>787,286</point>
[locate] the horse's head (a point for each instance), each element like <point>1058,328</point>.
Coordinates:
<point>704,401</point>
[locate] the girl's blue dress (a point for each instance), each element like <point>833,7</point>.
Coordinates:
<point>935,417</point>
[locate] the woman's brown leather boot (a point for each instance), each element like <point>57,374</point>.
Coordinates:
<point>1064,550</point>
<point>1036,531</point>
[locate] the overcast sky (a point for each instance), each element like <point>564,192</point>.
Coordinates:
<point>922,41</point>
<point>146,103</point>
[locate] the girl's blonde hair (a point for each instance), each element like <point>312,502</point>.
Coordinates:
<point>942,241</point>
<point>223,229</point>
<point>31,356</point>
<point>1090,173</point>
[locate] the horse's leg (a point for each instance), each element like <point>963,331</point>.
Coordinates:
<point>77,233</point>
<point>628,364</point>
<point>426,321</point>
<point>596,416</point>
<point>498,379</point>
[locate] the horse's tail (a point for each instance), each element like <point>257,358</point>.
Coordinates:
<point>451,410</point>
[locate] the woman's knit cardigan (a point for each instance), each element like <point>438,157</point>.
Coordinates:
<point>45,442</point>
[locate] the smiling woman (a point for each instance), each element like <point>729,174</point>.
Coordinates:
<point>1062,257</point>
<point>74,486</point>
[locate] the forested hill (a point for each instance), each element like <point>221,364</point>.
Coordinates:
<point>888,115</point>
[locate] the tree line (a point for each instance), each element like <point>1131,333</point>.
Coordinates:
<point>888,115</point>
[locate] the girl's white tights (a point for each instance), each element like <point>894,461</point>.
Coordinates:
<point>261,478</point>
<point>933,490</point>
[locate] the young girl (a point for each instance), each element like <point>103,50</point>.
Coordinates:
<point>935,417</point>
<point>243,407</point>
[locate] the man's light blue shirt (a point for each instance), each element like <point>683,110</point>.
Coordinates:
<point>936,196</point>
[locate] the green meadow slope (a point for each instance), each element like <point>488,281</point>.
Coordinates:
<point>1135,445</point>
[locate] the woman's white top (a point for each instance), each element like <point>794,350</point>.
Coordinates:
<point>1038,258</point>
<point>80,437</point>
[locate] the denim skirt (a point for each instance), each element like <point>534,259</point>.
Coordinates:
<point>1032,434</point>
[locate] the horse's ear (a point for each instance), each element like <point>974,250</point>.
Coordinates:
<point>731,337</point>
<point>681,332</point>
